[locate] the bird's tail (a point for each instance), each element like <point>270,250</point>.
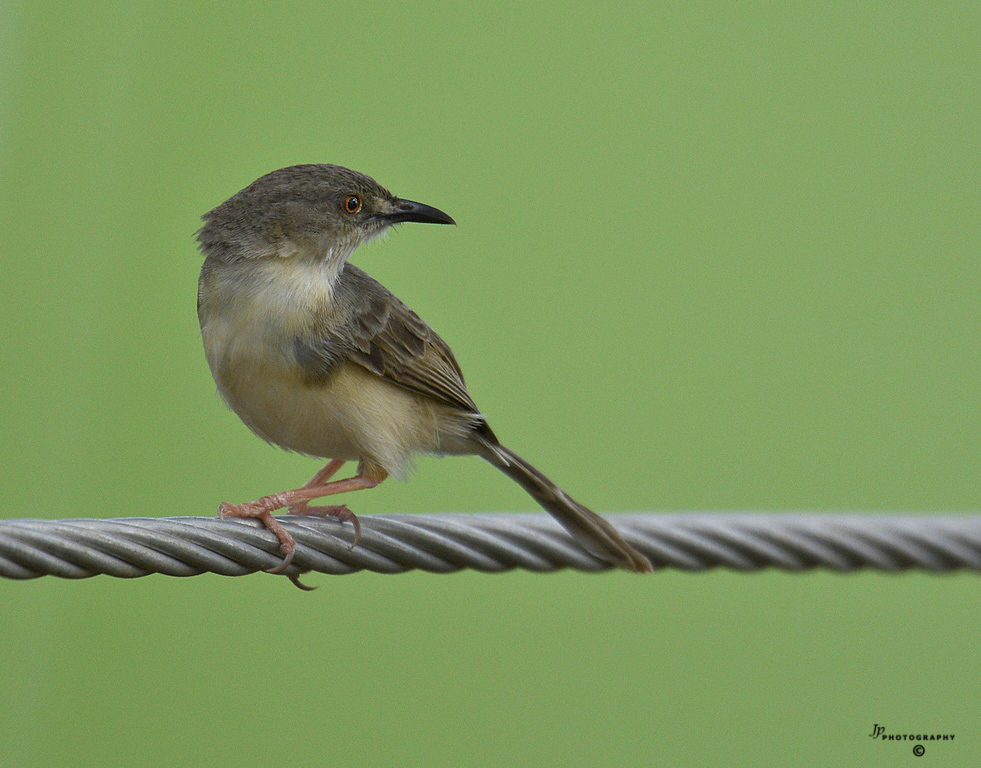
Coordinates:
<point>593,532</point>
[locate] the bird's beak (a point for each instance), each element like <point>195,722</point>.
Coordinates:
<point>407,210</point>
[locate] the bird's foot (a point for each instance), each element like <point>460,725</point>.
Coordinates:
<point>262,510</point>
<point>340,511</point>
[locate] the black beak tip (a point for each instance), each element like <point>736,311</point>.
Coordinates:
<point>408,210</point>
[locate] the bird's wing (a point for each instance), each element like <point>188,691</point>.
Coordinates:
<point>381,334</point>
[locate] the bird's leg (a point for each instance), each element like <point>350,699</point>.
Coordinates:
<point>340,511</point>
<point>326,473</point>
<point>263,508</point>
<point>366,478</point>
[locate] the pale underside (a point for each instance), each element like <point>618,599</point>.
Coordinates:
<point>352,414</point>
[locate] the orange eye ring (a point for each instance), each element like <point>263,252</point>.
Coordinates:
<point>353,204</point>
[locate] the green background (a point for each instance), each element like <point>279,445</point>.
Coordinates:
<point>709,257</point>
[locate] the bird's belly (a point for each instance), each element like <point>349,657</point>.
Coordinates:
<point>354,415</point>
<point>258,381</point>
<point>290,414</point>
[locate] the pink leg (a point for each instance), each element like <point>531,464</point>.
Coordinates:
<point>326,473</point>
<point>340,511</point>
<point>263,508</point>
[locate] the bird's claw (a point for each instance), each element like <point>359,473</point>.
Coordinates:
<point>339,511</point>
<point>262,510</point>
<point>259,511</point>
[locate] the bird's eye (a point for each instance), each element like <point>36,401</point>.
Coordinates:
<point>352,204</point>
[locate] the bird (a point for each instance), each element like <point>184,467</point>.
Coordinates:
<point>317,357</point>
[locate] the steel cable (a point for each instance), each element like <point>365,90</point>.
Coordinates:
<point>442,543</point>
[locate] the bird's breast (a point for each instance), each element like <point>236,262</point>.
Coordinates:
<point>251,332</point>
<point>251,316</point>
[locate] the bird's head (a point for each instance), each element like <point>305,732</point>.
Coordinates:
<point>320,212</point>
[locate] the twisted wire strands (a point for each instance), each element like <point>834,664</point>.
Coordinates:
<point>443,543</point>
